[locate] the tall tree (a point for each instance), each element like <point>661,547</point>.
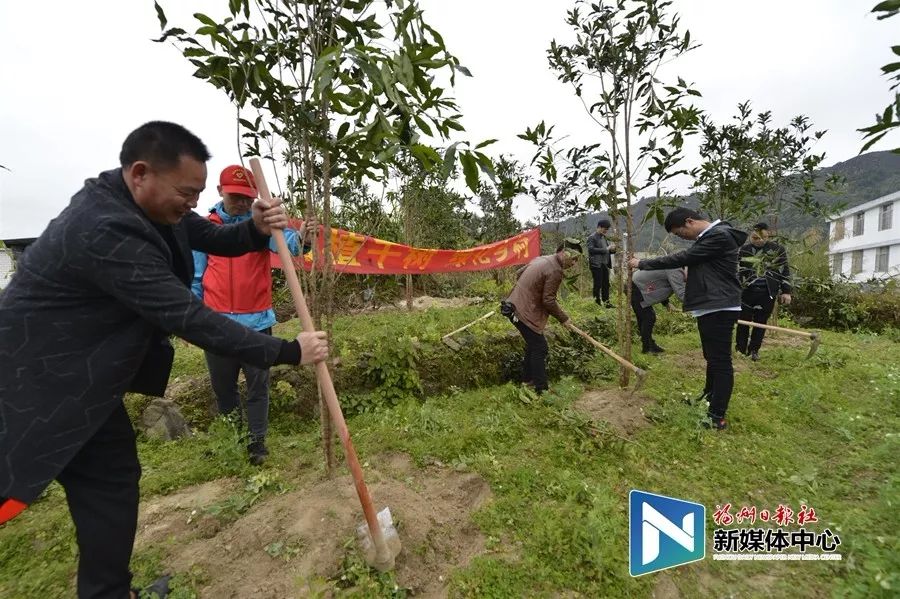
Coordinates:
<point>612,66</point>
<point>752,170</point>
<point>333,90</point>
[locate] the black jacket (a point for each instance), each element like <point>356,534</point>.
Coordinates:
<point>79,316</point>
<point>771,262</point>
<point>598,251</point>
<point>712,261</point>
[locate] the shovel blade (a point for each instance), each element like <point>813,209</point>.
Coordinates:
<point>813,346</point>
<point>381,558</point>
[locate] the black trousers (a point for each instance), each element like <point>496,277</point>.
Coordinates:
<point>716,331</point>
<point>223,376</point>
<point>534,365</point>
<point>756,306</point>
<point>600,275</point>
<point>646,317</point>
<point>101,484</point>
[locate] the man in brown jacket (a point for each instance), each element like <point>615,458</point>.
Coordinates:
<point>531,303</point>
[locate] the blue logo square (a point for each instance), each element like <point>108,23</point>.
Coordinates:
<point>663,532</point>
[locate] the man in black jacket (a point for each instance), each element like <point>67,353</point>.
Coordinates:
<point>712,295</point>
<point>86,318</point>
<point>600,252</point>
<point>765,275</point>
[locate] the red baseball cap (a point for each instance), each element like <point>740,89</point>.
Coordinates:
<point>237,179</point>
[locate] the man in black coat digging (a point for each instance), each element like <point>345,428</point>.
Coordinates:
<point>712,295</point>
<point>86,318</point>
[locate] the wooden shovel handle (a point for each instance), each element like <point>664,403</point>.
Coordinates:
<point>464,327</point>
<point>638,371</point>
<point>774,328</point>
<point>322,373</point>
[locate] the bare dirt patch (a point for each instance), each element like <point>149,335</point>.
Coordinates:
<point>665,588</point>
<point>623,410</point>
<point>424,302</point>
<point>171,516</point>
<point>308,533</point>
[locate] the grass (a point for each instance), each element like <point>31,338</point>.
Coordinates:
<point>823,432</point>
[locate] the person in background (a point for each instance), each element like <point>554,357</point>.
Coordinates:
<point>240,287</point>
<point>649,287</point>
<point>533,300</point>
<point>600,252</point>
<point>712,295</point>
<point>766,276</point>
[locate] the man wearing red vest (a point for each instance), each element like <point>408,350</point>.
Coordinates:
<point>241,288</point>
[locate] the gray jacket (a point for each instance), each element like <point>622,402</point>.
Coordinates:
<point>598,251</point>
<point>658,285</point>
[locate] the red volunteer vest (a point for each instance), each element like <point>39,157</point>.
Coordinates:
<point>240,285</point>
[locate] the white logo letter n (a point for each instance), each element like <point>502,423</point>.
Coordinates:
<point>653,523</point>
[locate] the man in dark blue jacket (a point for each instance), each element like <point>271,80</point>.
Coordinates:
<point>766,276</point>
<point>712,295</point>
<point>86,318</point>
<point>600,252</point>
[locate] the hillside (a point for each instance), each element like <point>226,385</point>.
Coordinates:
<point>868,176</point>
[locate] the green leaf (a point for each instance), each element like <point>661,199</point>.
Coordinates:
<point>422,125</point>
<point>204,19</point>
<point>890,68</point>
<point>462,70</point>
<point>470,170</point>
<point>450,158</point>
<point>160,15</point>
<point>426,155</point>
<point>485,143</point>
<point>872,142</point>
<point>887,6</point>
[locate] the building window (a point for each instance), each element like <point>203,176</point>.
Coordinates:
<point>838,232</point>
<point>881,258</point>
<point>885,216</point>
<point>859,220</point>
<point>856,262</point>
<point>837,264</point>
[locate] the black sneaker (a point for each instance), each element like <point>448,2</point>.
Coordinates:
<point>258,452</point>
<point>715,423</point>
<point>740,351</point>
<point>754,356</point>
<point>159,588</point>
<point>653,350</point>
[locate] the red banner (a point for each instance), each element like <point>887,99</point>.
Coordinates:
<point>364,255</point>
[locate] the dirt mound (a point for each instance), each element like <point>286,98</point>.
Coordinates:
<point>173,516</point>
<point>623,410</point>
<point>424,302</point>
<point>285,546</point>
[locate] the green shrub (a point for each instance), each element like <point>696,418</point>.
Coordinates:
<point>843,305</point>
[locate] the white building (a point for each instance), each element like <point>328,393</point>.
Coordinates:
<point>865,240</point>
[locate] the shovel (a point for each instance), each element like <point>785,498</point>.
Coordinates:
<point>446,340</point>
<point>640,373</point>
<point>381,544</point>
<point>814,339</point>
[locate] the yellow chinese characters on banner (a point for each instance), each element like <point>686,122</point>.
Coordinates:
<point>361,254</point>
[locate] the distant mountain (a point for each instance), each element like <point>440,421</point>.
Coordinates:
<point>868,177</point>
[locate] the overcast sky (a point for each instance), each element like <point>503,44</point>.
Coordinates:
<point>80,76</point>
